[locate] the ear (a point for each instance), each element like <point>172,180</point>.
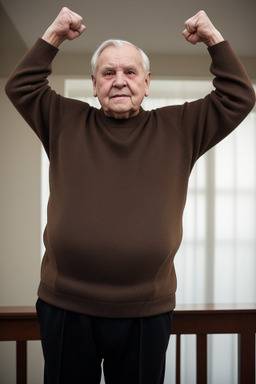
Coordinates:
<point>94,85</point>
<point>147,83</point>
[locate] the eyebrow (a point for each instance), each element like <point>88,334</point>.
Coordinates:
<point>112,67</point>
<point>107,68</point>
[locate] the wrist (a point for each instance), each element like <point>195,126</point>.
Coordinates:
<point>51,37</point>
<point>214,39</point>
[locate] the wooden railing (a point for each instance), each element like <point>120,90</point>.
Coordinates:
<point>202,320</point>
<point>20,324</point>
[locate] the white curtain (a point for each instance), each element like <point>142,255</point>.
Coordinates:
<point>216,262</point>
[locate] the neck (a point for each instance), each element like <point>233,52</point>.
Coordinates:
<point>121,115</point>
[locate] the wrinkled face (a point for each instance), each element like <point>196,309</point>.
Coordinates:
<point>120,82</point>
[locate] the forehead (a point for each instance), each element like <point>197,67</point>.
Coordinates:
<point>120,56</point>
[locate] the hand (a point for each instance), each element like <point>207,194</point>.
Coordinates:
<point>67,26</point>
<point>199,28</point>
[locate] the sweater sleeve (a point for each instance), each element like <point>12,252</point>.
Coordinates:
<point>207,121</point>
<point>29,91</point>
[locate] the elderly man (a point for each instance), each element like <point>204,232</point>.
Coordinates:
<point>118,184</point>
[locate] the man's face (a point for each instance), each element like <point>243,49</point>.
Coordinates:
<point>120,82</point>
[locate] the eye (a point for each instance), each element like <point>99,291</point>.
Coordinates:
<point>131,72</point>
<point>108,73</point>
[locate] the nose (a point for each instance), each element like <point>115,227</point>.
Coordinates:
<point>120,80</point>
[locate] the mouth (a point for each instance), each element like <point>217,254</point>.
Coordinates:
<point>119,96</point>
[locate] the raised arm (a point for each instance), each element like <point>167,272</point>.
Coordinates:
<point>199,28</point>
<point>68,25</point>
<point>28,87</point>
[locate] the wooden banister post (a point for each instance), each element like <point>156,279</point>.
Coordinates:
<point>246,357</point>
<point>21,362</point>
<point>201,359</point>
<point>177,359</point>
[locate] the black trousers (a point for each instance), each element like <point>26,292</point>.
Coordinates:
<point>76,346</point>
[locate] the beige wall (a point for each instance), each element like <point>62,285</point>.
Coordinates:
<point>20,226</point>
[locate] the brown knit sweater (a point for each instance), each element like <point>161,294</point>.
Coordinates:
<point>118,187</point>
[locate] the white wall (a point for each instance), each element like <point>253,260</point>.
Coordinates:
<point>19,228</point>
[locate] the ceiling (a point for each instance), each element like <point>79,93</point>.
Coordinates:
<point>155,26</point>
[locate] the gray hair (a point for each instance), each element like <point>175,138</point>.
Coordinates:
<point>118,43</point>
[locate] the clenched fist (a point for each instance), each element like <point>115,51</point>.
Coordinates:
<point>67,26</point>
<point>199,28</point>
